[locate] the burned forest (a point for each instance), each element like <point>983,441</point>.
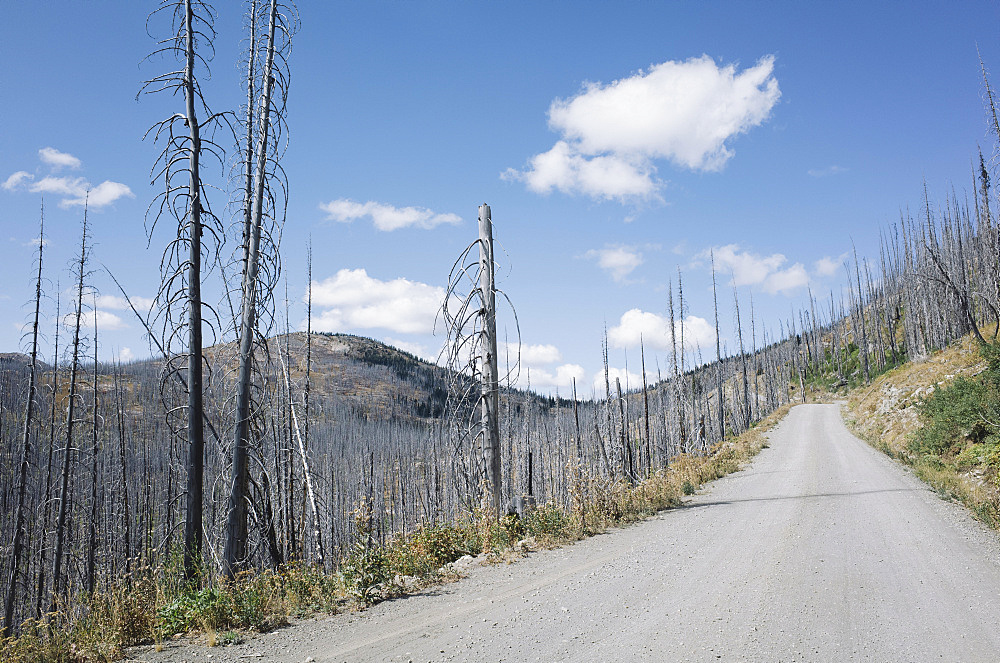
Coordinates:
<point>251,449</point>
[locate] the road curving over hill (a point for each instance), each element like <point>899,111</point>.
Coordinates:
<point>821,550</point>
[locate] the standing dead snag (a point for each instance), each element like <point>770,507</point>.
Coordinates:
<point>58,582</point>
<point>179,167</point>
<point>490,387</point>
<point>29,406</point>
<point>317,534</point>
<point>261,218</point>
<point>471,348</point>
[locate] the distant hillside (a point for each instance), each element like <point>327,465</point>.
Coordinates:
<point>378,380</point>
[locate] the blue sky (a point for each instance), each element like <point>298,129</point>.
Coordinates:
<point>615,142</point>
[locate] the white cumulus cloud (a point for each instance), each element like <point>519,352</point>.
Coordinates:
<point>618,261</point>
<point>786,280</point>
<point>386,217</point>
<point>53,157</point>
<point>116,303</point>
<point>416,349</point>
<point>531,355</point>
<point>629,380</point>
<point>653,331</point>
<point>683,112</point>
<point>827,266</point>
<point>99,196</point>
<point>17,179</point>
<point>74,191</point>
<point>608,176</point>
<point>748,268</point>
<point>546,380</point>
<point>107,321</point>
<point>351,299</point>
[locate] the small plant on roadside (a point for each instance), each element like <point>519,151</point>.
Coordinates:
<point>365,572</point>
<point>547,521</point>
<point>426,549</point>
<point>366,569</point>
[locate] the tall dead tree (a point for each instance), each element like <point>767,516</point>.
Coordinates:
<point>490,384</point>
<point>90,574</point>
<point>46,511</point>
<point>470,319</point>
<point>263,215</point>
<point>58,582</point>
<point>745,405</point>
<point>29,407</point>
<point>179,168</point>
<point>718,358</point>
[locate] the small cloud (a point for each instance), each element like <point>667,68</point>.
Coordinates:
<point>17,179</point>
<point>109,321</point>
<point>545,380</point>
<point>749,268</point>
<point>826,172</point>
<point>531,354</point>
<point>608,177</point>
<point>617,260</point>
<point>116,303</point>
<point>353,300</point>
<point>61,186</point>
<point>415,349</point>
<point>637,326</point>
<point>786,280</point>
<point>126,354</point>
<point>101,195</point>
<point>74,191</point>
<point>628,379</point>
<point>683,112</point>
<point>57,159</point>
<point>386,217</point>
<point>827,266</point>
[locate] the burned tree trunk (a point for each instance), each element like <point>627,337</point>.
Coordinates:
<point>490,386</point>
<point>57,561</point>
<point>29,407</point>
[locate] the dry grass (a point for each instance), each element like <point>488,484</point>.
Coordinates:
<point>885,414</point>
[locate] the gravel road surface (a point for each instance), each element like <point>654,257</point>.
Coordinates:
<point>821,550</point>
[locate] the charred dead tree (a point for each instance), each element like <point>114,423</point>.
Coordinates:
<point>179,169</point>
<point>263,210</point>
<point>58,581</point>
<point>718,359</point>
<point>22,477</point>
<point>47,495</point>
<point>469,315</point>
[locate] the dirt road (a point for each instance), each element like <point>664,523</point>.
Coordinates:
<point>822,550</point>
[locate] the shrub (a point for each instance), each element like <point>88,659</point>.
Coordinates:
<point>365,573</point>
<point>426,549</point>
<point>547,521</point>
<point>203,608</point>
<point>308,588</point>
<point>951,416</point>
